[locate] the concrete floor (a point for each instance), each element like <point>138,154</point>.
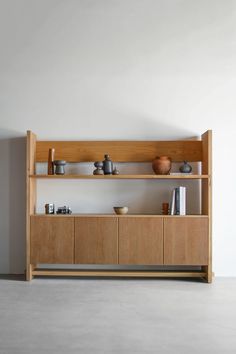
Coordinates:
<point>117,316</point>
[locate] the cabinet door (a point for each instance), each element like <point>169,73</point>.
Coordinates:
<point>186,241</point>
<point>52,239</point>
<point>141,240</point>
<point>96,240</point>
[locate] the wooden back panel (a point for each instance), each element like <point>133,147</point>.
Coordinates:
<point>120,151</point>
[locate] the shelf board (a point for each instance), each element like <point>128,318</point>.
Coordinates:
<point>118,273</point>
<point>74,176</point>
<point>117,215</point>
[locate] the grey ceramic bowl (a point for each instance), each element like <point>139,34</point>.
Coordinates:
<point>121,210</point>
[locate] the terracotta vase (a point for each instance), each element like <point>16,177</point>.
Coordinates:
<point>161,165</point>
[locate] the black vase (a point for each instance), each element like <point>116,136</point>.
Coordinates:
<point>107,165</point>
<point>185,168</point>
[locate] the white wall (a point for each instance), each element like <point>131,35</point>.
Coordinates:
<point>117,69</point>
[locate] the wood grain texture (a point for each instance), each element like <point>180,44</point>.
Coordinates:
<point>118,273</point>
<point>120,151</point>
<point>52,240</point>
<point>207,168</point>
<point>119,177</point>
<point>207,152</point>
<point>141,240</point>
<point>207,194</point>
<point>186,241</point>
<point>96,240</point>
<point>30,194</point>
<point>119,216</point>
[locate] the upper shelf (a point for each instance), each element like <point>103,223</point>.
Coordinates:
<point>121,176</point>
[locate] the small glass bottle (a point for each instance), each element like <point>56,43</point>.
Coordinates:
<point>107,165</point>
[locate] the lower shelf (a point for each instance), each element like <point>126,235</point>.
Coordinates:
<point>118,273</point>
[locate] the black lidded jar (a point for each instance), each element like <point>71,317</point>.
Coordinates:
<point>107,165</point>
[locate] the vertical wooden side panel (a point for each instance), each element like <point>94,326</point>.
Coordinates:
<point>31,194</point>
<point>206,169</point>
<point>207,193</point>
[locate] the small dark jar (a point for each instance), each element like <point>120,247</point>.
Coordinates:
<point>60,167</point>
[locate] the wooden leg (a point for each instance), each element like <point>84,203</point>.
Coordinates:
<point>30,268</point>
<point>209,273</point>
<point>28,273</point>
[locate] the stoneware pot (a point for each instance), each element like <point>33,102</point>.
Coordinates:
<point>185,168</point>
<point>161,165</point>
<point>115,171</point>
<point>99,166</point>
<point>60,167</point>
<point>107,165</point>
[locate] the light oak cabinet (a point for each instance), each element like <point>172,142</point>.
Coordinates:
<point>141,240</point>
<point>147,240</point>
<point>186,241</point>
<point>52,240</point>
<point>96,240</point>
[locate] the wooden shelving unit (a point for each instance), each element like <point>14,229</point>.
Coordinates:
<point>109,239</point>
